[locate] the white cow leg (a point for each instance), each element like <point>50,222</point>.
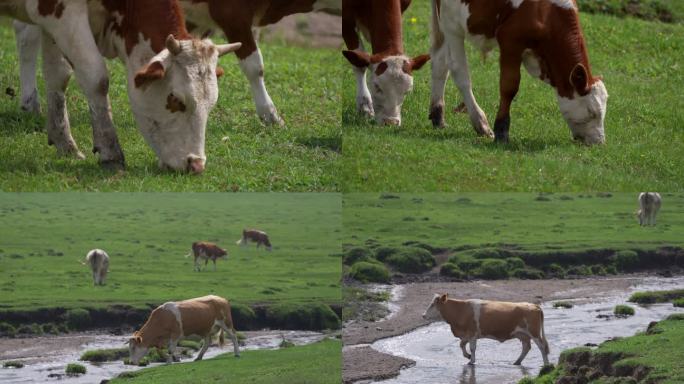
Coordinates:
<point>205,346</point>
<point>473,346</point>
<point>172,351</point>
<point>95,278</point>
<point>232,335</point>
<point>458,63</point>
<point>28,44</point>
<point>57,72</point>
<point>526,346</point>
<point>440,74</point>
<point>541,345</point>
<point>253,68</point>
<point>463,348</point>
<point>364,103</point>
<point>74,37</point>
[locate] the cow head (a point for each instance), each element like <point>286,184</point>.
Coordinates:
<point>136,348</point>
<point>586,111</point>
<point>432,312</point>
<point>391,79</point>
<point>171,97</point>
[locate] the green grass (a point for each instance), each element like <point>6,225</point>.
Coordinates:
<point>567,222</point>
<point>563,304</point>
<point>659,349</point>
<point>650,297</point>
<point>13,364</point>
<point>318,363</point>
<point>45,236</point>
<point>75,369</point>
<point>670,11</point>
<point>304,84</point>
<point>623,311</point>
<point>641,65</point>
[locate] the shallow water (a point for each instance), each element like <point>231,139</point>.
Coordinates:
<point>40,364</point>
<point>439,358</point>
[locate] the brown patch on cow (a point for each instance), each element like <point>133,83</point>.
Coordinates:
<point>220,72</point>
<point>382,19</point>
<point>154,71</point>
<point>174,104</point>
<point>50,7</point>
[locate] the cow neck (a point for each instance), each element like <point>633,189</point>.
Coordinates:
<point>150,335</point>
<point>385,28</point>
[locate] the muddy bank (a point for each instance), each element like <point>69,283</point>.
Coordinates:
<point>311,30</point>
<point>414,298</point>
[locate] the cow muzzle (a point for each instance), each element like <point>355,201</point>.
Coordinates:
<point>195,165</point>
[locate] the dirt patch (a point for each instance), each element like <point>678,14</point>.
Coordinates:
<point>311,30</point>
<point>365,363</point>
<point>415,298</point>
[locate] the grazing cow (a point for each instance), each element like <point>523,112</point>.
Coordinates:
<point>476,319</point>
<point>172,321</point>
<point>206,251</point>
<point>544,35</point>
<point>255,236</point>
<point>98,261</point>
<point>236,18</point>
<point>172,78</point>
<point>649,205</point>
<point>391,70</point>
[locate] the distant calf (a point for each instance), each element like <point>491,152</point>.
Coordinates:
<point>649,205</point>
<point>476,319</point>
<point>206,251</point>
<point>255,236</point>
<point>98,260</point>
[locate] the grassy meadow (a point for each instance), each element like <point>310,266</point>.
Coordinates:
<point>550,222</point>
<point>641,65</point>
<point>242,153</point>
<point>45,236</point>
<point>317,363</point>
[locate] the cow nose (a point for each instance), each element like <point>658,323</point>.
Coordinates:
<point>195,165</point>
<point>391,121</point>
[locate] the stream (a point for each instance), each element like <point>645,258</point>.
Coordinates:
<point>439,359</point>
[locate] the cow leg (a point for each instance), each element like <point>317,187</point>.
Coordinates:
<point>28,44</point>
<point>473,346</point>
<point>463,348</point>
<point>510,61</point>
<point>72,34</point>
<point>214,260</point>
<point>458,66</point>
<point>205,346</point>
<point>172,351</point>
<point>543,348</point>
<point>95,278</point>
<point>440,74</point>
<point>57,72</point>
<point>526,345</point>
<point>364,103</point>
<point>232,335</point>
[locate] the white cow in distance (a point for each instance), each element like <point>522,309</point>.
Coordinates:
<point>649,205</point>
<point>98,261</point>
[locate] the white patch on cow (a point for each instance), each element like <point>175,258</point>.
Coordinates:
<point>253,68</point>
<point>389,90</point>
<point>520,330</point>
<point>432,312</point>
<point>649,204</point>
<point>586,114</point>
<point>533,66</point>
<point>516,3</point>
<point>567,4</point>
<point>173,308</point>
<point>476,306</point>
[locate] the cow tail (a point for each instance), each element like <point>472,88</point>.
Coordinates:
<point>188,255</point>
<point>437,36</point>
<point>543,334</point>
<point>222,339</point>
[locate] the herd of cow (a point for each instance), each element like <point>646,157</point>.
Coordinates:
<point>172,67</point>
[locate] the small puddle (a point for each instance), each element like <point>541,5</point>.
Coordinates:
<point>439,359</point>
<point>47,365</point>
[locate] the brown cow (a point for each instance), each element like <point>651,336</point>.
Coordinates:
<point>255,236</point>
<point>172,321</point>
<point>544,35</point>
<point>206,251</point>
<point>476,319</point>
<point>236,18</point>
<point>391,70</point>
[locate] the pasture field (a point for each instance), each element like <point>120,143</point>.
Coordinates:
<point>315,363</point>
<point>45,236</point>
<point>549,222</point>
<point>242,154</point>
<point>641,65</point>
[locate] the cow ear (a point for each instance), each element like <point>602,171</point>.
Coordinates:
<point>443,298</point>
<point>219,72</point>
<point>579,78</point>
<point>138,339</point>
<point>149,73</point>
<point>357,58</point>
<point>418,62</point>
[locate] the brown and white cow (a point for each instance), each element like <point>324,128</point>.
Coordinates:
<point>236,19</point>
<point>649,205</point>
<point>98,261</point>
<point>391,79</point>
<point>172,321</point>
<point>544,35</point>
<point>471,320</point>
<point>172,82</point>
<point>254,236</point>
<point>206,251</point>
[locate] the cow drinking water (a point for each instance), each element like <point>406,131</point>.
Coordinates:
<point>543,35</point>
<point>206,251</point>
<point>254,236</point>
<point>649,205</point>
<point>471,320</point>
<point>172,321</point>
<point>98,261</point>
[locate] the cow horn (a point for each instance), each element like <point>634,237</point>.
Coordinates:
<point>173,45</point>
<point>224,49</point>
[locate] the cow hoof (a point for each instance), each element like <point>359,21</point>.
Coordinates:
<point>471,363</point>
<point>365,108</point>
<point>237,356</point>
<point>517,363</point>
<point>437,116</point>
<point>113,165</point>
